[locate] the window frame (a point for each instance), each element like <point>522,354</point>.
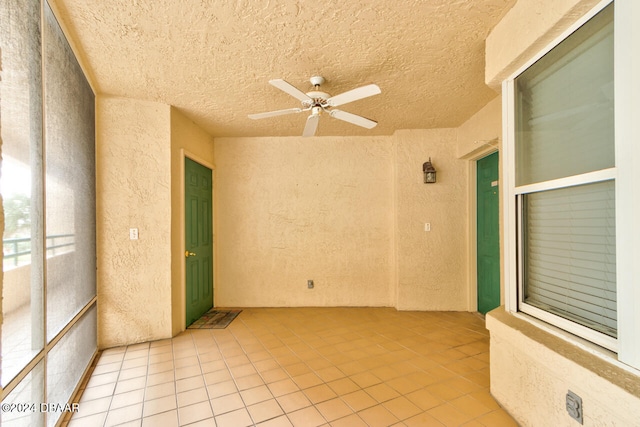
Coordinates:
<point>627,203</point>
<point>35,377</point>
<point>519,192</point>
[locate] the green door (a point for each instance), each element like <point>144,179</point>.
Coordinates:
<point>198,239</point>
<point>488,245</point>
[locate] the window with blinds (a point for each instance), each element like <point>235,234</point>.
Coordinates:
<point>570,265</point>
<point>564,105</point>
<point>565,180</point>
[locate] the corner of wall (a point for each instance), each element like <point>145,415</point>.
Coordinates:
<point>187,139</point>
<point>133,181</point>
<point>527,28</point>
<point>481,132</point>
<point>478,137</point>
<point>431,265</point>
<point>393,249</point>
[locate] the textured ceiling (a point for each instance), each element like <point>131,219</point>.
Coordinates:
<point>213,59</point>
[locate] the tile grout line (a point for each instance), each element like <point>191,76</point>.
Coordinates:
<point>309,344</point>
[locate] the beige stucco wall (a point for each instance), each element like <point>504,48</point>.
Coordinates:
<point>187,139</point>
<point>133,178</point>
<point>348,213</point>
<point>291,209</point>
<point>478,137</point>
<point>431,266</point>
<point>481,132</point>
<point>532,370</point>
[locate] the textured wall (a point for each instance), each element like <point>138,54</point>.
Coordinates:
<point>187,136</point>
<point>133,190</point>
<point>346,212</point>
<point>526,29</point>
<point>536,369</point>
<point>478,137</point>
<point>484,127</point>
<point>290,209</point>
<point>431,266</point>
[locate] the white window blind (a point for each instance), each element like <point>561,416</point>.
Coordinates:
<point>570,267</point>
<point>565,107</point>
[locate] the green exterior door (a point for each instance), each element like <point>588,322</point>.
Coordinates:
<point>488,244</point>
<point>198,239</point>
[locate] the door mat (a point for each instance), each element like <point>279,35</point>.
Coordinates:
<point>215,319</point>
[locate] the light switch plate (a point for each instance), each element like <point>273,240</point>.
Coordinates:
<point>133,234</point>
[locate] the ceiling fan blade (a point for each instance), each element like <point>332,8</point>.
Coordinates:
<point>312,125</point>
<point>274,113</point>
<point>353,119</point>
<point>290,89</point>
<point>354,95</point>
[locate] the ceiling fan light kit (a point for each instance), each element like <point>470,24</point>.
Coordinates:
<point>318,102</point>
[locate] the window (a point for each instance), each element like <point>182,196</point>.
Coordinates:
<point>47,124</point>
<point>570,199</point>
<point>564,164</point>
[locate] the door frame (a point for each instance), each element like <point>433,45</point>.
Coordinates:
<point>487,148</point>
<point>182,306</point>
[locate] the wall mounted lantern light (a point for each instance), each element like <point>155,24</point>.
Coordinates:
<point>429,172</point>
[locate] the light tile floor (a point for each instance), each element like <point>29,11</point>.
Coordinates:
<point>302,367</point>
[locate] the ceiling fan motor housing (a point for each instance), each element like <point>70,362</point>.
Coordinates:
<point>317,98</point>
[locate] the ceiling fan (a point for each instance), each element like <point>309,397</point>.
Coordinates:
<point>321,102</point>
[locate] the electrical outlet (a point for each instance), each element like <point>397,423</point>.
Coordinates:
<point>309,284</point>
<point>133,234</point>
<point>574,406</point>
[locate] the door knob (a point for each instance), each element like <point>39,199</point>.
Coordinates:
<point>187,254</point>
